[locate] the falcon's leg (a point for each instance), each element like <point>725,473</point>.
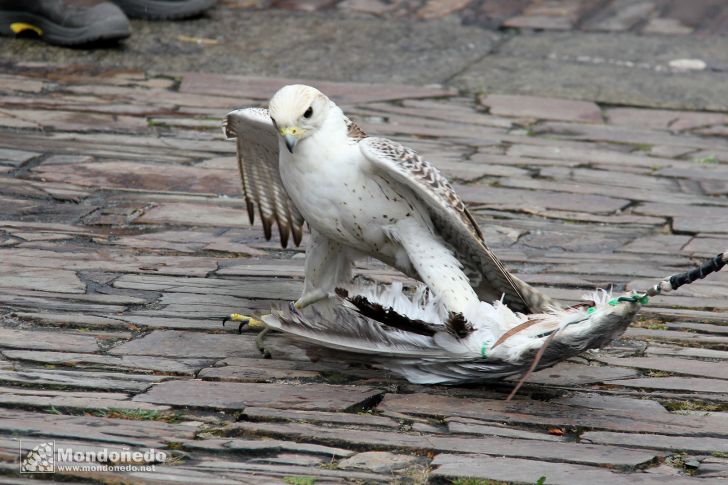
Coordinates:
<point>250,322</point>
<point>435,264</point>
<point>328,265</point>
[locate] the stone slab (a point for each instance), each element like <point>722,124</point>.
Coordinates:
<point>103,430</point>
<point>233,395</point>
<point>690,367</point>
<point>74,401</point>
<point>274,414</point>
<point>264,446</point>
<point>570,374</point>
<point>11,338</point>
<point>174,343</point>
<point>139,363</point>
<point>529,412</point>
<point>542,108</point>
<point>111,381</point>
<point>529,471</point>
<point>658,442</point>
<point>693,384</point>
<point>569,452</point>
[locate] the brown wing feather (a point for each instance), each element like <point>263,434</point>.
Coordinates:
<point>454,224</point>
<point>353,131</point>
<point>257,151</point>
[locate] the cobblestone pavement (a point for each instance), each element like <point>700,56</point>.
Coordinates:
<point>123,242</point>
<point>642,16</point>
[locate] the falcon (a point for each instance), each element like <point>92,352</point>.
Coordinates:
<point>302,159</point>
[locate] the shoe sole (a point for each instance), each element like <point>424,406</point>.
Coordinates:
<point>164,10</point>
<point>12,23</point>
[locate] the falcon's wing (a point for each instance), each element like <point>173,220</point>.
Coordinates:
<point>257,147</point>
<point>455,225</point>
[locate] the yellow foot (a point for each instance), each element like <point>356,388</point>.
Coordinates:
<point>244,320</point>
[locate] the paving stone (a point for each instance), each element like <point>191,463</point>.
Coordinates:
<point>379,461</point>
<point>533,200</point>
<point>542,108</point>
<point>265,446</point>
<point>622,15</point>
<point>30,300</point>
<point>144,176</point>
<point>233,395</point>
<point>69,120</point>
<point>691,367</point>
<point>694,384</point>
<point>195,215</point>
<point>434,9</point>
<point>111,381</point>
<point>11,338</point>
<point>588,154</point>
<point>473,426</point>
<point>283,471</point>
<point>78,401</point>
<point>569,452</point>
<point>657,442</point>
<point>686,352</point>
<point>71,320</point>
<point>664,119</point>
<point>529,471</point>
<point>173,343</point>
<point>272,289</point>
<point>690,219</point>
<point>40,279</point>
<point>599,401</point>
<point>569,374</point>
<point>661,243</point>
<point>684,338</point>
<point>176,323</point>
<point>255,373</point>
<point>140,363</point>
<point>111,260</point>
<point>273,414</point>
<point>533,413</point>
<point>186,241</point>
<point>261,88</point>
<point>88,428</point>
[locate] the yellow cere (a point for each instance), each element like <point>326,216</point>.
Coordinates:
<point>291,130</point>
<point>18,27</point>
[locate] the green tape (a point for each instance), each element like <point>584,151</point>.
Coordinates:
<point>634,298</point>
<point>484,349</point>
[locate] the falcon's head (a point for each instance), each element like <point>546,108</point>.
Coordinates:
<point>297,111</point>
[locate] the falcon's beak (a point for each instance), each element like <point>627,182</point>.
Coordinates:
<point>290,136</point>
<point>290,142</point>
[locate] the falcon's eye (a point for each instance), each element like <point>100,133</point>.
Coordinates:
<point>308,113</point>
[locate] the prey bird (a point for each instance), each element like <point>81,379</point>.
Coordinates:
<point>302,160</point>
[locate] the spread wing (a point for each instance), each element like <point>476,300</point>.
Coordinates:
<point>257,147</point>
<point>454,224</point>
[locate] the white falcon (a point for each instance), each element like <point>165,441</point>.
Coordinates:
<point>304,160</point>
